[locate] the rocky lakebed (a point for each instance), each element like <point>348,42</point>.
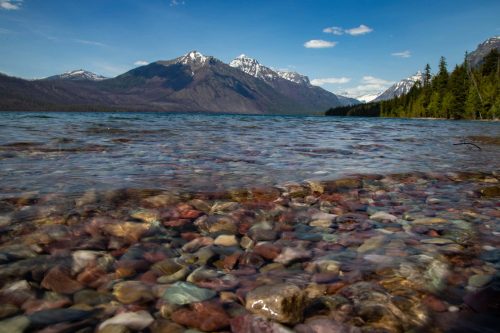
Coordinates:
<point>410,252</point>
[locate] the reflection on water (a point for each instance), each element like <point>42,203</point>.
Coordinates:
<point>68,152</point>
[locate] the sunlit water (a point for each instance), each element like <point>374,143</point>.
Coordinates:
<point>71,152</point>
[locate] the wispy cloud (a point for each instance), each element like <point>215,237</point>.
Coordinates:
<point>330,80</point>
<point>89,42</point>
<point>368,85</point>
<point>403,54</point>
<point>5,31</point>
<point>319,44</point>
<point>374,80</point>
<point>11,4</point>
<point>361,30</point>
<point>141,63</point>
<point>334,30</point>
<point>177,2</point>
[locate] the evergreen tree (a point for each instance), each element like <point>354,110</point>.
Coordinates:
<point>470,93</point>
<point>473,106</point>
<point>427,75</point>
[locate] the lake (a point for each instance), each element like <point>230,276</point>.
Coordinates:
<point>160,222</point>
<point>71,152</point>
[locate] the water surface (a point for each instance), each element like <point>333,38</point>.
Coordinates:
<point>70,152</point>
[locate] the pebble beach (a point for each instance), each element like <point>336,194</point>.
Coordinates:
<point>415,251</point>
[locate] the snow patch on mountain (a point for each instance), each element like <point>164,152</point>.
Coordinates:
<point>294,77</point>
<point>78,75</point>
<point>400,88</point>
<point>254,68</point>
<point>193,58</point>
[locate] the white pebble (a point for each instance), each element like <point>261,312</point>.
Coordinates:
<point>488,248</point>
<point>453,308</point>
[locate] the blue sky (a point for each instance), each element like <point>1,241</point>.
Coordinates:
<point>347,46</point>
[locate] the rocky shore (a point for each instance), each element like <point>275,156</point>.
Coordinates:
<point>415,252</point>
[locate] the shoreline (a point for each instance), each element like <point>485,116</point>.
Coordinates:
<point>236,114</point>
<point>347,253</point>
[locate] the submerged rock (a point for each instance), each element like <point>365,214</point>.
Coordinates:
<point>133,320</point>
<point>14,325</point>
<point>281,302</point>
<point>205,316</point>
<point>186,293</point>
<point>129,292</point>
<point>256,324</point>
<point>58,279</point>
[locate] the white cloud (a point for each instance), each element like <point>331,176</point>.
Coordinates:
<point>5,31</point>
<point>403,54</point>
<point>368,86</point>
<point>374,80</point>
<point>89,42</point>
<point>141,63</point>
<point>334,30</point>
<point>330,80</point>
<point>361,30</point>
<point>177,3</point>
<point>11,4</point>
<point>319,44</point>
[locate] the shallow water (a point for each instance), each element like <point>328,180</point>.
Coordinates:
<point>71,152</point>
<point>123,219</point>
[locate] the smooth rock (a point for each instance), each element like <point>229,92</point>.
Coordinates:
<point>129,292</point>
<point>114,328</point>
<point>146,215</point>
<point>290,254</point>
<point>325,325</point>
<point>226,240</point>
<point>371,244</point>
<point>429,220</point>
<point>130,231</point>
<point>54,316</point>
<point>58,279</point>
<point>281,302</point>
<point>186,293</point>
<point>14,325</point>
<point>134,320</point>
<point>256,324</point>
<point>321,223</point>
<point>437,241</point>
<point>383,216</point>
<point>479,280</point>
<point>206,316</point>
<point>166,326</point>
<point>7,310</point>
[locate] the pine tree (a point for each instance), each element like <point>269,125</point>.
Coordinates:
<point>473,106</point>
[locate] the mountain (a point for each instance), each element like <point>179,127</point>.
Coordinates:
<point>77,75</point>
<point>190,83</point>
<point>400,88</point>
<point>475,58</point>
<point>347,101</point>
<point>293,85</point>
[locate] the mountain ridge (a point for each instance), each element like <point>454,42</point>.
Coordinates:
<point>192,82</point>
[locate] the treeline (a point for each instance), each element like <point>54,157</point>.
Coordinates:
<point>358,110</point>
<point>465,93</point>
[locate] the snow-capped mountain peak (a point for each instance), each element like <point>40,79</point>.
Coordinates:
<point>294,77</point>
<point>78,75</point>
<point>252,67</point>
<point>193,57</point>
<point>402,87</point>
